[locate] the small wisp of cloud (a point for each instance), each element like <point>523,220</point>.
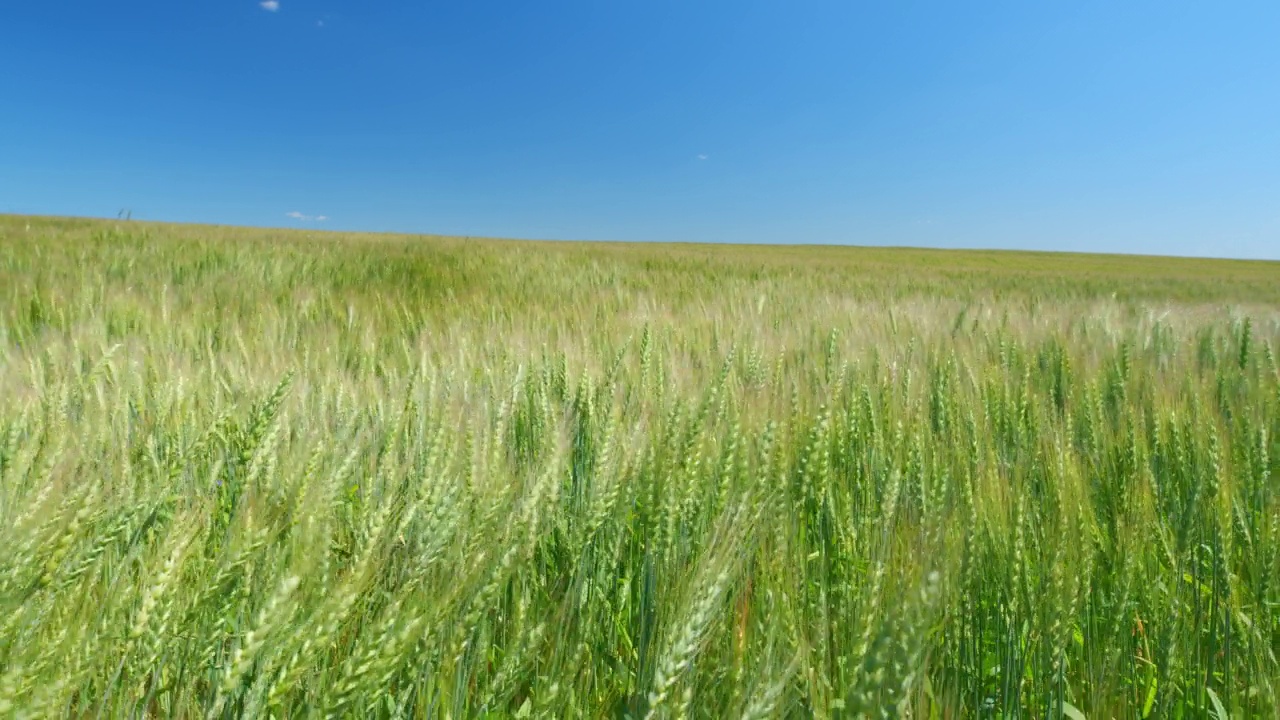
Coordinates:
<point>703,156</point>
<point>306,218</point>
<point>270,5</point>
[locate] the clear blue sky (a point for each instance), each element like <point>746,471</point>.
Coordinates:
<point>1146,127</point>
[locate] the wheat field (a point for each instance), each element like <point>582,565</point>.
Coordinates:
<point>262,473</point>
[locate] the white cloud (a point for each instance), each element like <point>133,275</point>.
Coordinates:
<point>269,5</point>
<point>306,218</point>
<point>703,156</point>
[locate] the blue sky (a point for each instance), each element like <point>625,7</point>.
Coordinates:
<point>1092,126</point>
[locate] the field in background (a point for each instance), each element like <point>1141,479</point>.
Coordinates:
<point>275,473</point>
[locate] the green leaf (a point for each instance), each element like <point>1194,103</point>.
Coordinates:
<point>1072,711</point>
<point>1151,696</point>
<point>1218,709</point>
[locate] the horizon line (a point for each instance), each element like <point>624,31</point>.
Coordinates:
<point>704,243</point>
